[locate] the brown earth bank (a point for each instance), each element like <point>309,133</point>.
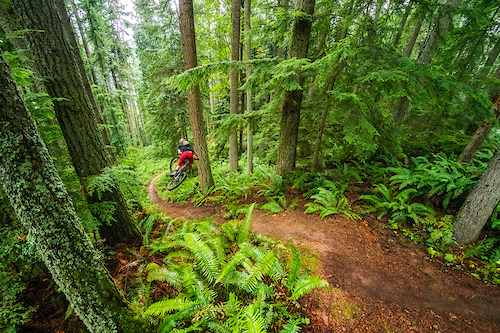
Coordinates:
<point>379,282</point>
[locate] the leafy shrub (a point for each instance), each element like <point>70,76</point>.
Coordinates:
<point>227,280</point>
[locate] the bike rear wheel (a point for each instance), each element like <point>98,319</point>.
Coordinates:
<point>176,180</point>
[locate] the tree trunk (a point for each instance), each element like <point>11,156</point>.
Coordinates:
<point>421,13</point>
<point>479,204</point>
<point>233,103</point>
<point>439,30</point>
<point>43,206</point>
<point>55,61</point>
<point>249,92</point>
<point>84,40</point>
<point>321,127</point>
<point>492,57</point>
<point>186,20</point>
<point>378,9</point>
<point>70,35</point>
<point>480,135</point>
<point>281,49</point>
<point>402,24</point>
<point>440,27</point>
<point>290,116</point>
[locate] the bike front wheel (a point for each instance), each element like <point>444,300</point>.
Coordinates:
<point>176,180</point>
<point>173,163</point>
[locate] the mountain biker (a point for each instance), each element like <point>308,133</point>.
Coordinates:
<point>186,151</point>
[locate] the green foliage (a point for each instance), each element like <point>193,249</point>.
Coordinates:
<point>18,264</point>
<point>276,204</point>
<point>331,201</point>
<point>437,177</point>
<point>227,280</point>
<point>399,206</point>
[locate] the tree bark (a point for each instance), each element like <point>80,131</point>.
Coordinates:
<point>233,103</point>
<point>249,92</point>
<point>479,204</point>
<point>186,20</point>
<point>292,103</point>
<point>43,206</point>
<point>281,49</point>
<point>321,127</point>
<point>480,135</point>
<point>439,30</point>
<point>55,61</point>
<point>421,13</point>
<point>70,35</point>
<point>402,24</point>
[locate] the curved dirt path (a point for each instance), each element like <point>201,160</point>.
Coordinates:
<point>382,282</point>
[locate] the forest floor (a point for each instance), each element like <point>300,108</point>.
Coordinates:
<point>379,281</point>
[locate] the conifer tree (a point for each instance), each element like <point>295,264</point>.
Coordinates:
<point>186,20</point>
<point>235,56</point>
<point>437,33</point>
<point>40,201</point>
<point>249,92</point>
<point>55,61</point>
<point>292,103</point>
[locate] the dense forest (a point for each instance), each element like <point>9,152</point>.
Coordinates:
<point>369,117</point>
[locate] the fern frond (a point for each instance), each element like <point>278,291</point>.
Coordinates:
<point>164,274</point>
<point>258,271</point>
<point>245,228</point>
<point>291,327</point>
<point>272,206</point>
<point>165,306</point>
<point>306,284</point>
<point>205,257</point>
<point>296,266</point>
<point>252,321</point>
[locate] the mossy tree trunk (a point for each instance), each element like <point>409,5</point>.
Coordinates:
<point>249,92</point>
<point>186,20</point>
<point>40,201</point>
<point>292,103</point>
<point>233,98</point>
<point>479,204</point>
<point>74,110</point>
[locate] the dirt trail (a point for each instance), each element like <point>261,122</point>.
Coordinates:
<point>391,284</point>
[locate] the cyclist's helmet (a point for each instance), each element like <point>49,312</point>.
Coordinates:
<point>181,140</point>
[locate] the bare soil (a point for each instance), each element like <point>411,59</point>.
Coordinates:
<point>379,281</point>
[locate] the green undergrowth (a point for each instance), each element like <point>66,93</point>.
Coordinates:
<point>226,279</point>
<point>418,197</point>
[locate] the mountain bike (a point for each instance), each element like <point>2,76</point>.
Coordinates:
<point>180,175</point>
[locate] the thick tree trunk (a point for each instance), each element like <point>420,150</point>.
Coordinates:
<point>55,61</point>
<point>479,205</point>
<point>186,20</point>
<point>249,92</point>
<point>70,35</point>
<point>292,103</point>
<point>233,103</point>
<point>43,206</point>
